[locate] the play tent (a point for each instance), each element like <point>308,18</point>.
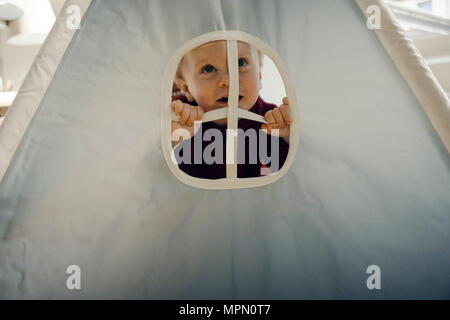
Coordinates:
<point>85,180</point>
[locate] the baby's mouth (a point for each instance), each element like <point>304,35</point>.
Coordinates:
<point>225,99</point>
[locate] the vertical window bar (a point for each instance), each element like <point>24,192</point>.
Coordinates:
<point>233,100</point>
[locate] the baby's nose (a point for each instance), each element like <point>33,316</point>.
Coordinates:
<point>224,80</point>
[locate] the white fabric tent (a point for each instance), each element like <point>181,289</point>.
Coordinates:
<point>84,181</point>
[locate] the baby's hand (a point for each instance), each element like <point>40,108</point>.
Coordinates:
<point>279,119</point>
<point>187,115</point>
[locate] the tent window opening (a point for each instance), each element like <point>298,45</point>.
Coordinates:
<point>224,130</point>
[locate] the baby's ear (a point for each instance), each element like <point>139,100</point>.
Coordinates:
<point>182,85</point>
<point>260,80</point>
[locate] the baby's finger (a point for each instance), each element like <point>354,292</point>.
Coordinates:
<point>269,117</point>
<point>192,116</point>
<point>265,127</point>
<point>279,118</point>
<point>285,100</point>
<point>286,113</point>
<point>184,114</point>
<point>270,129</point>
<point>200,113</point>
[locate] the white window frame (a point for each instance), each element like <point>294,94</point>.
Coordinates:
<point>231,181</point>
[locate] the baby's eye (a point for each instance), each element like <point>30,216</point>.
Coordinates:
<point>208,69</point>
<point>242,62</point>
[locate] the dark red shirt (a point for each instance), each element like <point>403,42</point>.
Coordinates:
<point>252,165</point>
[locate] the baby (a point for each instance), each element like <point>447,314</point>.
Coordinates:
<point>203,79</point>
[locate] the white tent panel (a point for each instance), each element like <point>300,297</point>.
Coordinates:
<point>88,184</point>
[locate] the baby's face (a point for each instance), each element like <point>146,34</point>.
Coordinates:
<point>205,76</point>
